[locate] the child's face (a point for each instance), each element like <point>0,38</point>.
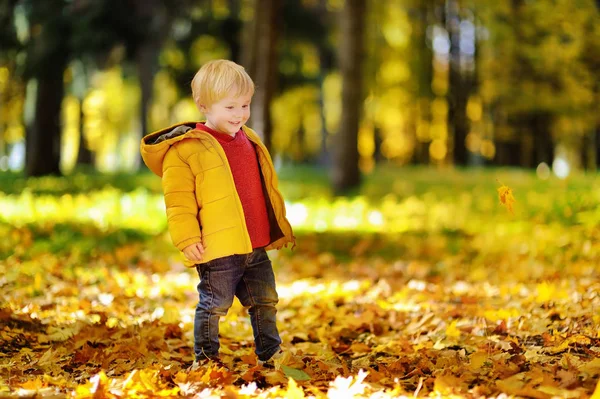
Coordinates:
<point>229,114</point>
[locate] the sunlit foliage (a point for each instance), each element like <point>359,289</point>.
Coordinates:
<point>543,67</point>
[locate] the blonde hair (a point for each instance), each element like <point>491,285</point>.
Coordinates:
<point>218,79</point>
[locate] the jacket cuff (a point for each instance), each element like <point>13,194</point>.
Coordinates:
<point>192,240</point>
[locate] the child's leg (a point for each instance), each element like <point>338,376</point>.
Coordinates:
<point>257,290</point>
<point>218,280</point>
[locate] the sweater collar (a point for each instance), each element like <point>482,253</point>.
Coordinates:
<point>222,137</point>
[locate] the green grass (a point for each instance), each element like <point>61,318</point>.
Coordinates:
<point>572,201</point>
<point>301,181</point>
<point>445,216</point>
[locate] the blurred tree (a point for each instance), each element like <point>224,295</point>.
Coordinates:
<point>201,31</point>
<point>59,31</point>
<point>155,18</point>
<point>590,57</point>
<point>103,37</point>
<point>535,122</point>
<point>231,30</point>
<point>422,69</point>
<point>99,34</point>
<point>261,61</point>
<point>345,171</point>
<point>12,90</point>
<point>297,62</point>
<point>460,78</point>
<point>79,88</point>
<point>535,81</point>
<point>48,54</point>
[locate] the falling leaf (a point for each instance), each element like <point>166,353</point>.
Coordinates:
<point>506,197</point>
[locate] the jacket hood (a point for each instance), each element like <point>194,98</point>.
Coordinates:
<point>154,146</point>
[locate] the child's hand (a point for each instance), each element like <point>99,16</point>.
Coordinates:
<point>194,252</point>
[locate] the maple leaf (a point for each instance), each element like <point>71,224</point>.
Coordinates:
<point>452,330</point>
<point>506,197</point>
<point>347,387</point>
<point>293,390</point>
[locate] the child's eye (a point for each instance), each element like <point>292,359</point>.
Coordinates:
<point>244,106</point>
<point>229,107</point>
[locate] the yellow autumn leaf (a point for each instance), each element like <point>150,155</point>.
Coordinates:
<point>549,292</point>
<point>500,314</point>
<point>447,384</point>
<point>34,384</point>
<point>477,360</point>
<point>592,367</point>
<point>506,197</point>
<point>452,331</point>
<point>293,390</point>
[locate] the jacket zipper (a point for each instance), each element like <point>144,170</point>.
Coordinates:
<point>242,217</point>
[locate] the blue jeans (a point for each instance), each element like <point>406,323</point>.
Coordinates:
<point>249,277</point>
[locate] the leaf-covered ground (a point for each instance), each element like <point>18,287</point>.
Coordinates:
<point>453,296</point>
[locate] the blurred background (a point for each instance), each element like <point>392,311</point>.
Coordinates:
<point>345,85</point>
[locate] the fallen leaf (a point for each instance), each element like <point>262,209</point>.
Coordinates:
<point>296,374</point>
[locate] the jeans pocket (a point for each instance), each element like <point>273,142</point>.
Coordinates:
<point>258,256</point>
<point>224,263</point>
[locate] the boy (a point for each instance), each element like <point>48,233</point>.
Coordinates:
<point>223,207</point>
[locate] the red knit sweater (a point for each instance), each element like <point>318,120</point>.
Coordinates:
<point>241,156</point>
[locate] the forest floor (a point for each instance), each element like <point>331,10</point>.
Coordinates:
<point>424,285</point>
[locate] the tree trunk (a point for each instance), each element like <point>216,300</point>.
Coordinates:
<point>231,30</point>
<point>345,173</point>
<point>248,51</point>
<point>85,156</point>
<point>265,75</point>
<point>589,149</point>
<point>423,69</point>
<point>508,153</point>
<point>43,138</point>
<point>543,147</point>
<point>324,156</point>
<point>597,135</point>
<point>300,152</point>
<point>78,88</point>
<point>147,57</point>
<point>325,65</point>
<point>458,90</point>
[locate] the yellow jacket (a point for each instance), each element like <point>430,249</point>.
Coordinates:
<point>200,195</point>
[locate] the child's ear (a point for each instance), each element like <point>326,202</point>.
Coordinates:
<point>203,108</point>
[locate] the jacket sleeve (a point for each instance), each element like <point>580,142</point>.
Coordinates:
<point>180,199</point>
